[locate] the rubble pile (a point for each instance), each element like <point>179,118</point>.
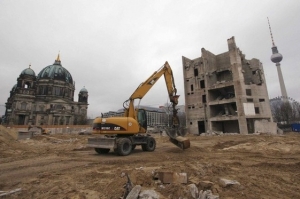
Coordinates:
<point>174,185</point>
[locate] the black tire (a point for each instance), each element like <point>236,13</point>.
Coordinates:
<point>150,146</point>
<point>101,151</point>
<point>124,146</point>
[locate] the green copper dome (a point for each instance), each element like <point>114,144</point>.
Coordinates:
<point>56,72</point>
<point>83,90</point>
<point>28,71</point>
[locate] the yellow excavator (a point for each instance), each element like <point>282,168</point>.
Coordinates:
<point>123,134</point>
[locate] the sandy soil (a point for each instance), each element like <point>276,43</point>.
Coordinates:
<point>59,166</point>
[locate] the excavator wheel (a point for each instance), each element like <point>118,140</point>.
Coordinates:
<point>124,146</point>
<point>101,151</point>
<point>150,146</point>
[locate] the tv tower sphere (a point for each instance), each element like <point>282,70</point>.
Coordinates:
<point>276,56</point>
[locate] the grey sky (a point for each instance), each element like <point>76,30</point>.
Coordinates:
<point>110,47</point>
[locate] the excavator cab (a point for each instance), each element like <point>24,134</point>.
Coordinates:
<point>142,118</point>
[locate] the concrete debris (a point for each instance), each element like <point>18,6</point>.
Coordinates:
<point>134,193</point>
<point>207,195</point>
<point>128,186</point>
<point>203,194</point>
<point>225,182</point>
<point>193,190</point>
<point>148,194</point>
<point>5,193</point>
<point>171,177</point>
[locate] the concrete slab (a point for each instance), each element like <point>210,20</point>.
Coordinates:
<point>22,135</point>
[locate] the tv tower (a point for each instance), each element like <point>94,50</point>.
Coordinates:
<point>276,58</point>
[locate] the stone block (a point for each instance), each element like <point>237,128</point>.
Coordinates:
<point>172,177</point>
<point>225,182</point>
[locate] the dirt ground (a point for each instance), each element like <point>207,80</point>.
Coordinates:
<point>60,166</point>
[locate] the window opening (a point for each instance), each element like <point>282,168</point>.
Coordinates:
<point>202,84</point>
<point>248,92</point>
<point>195,72</point>
<point>204,98</point>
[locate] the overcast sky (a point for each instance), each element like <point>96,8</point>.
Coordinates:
<point>111,46</point>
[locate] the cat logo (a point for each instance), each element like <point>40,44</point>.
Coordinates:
<point>117,128</point>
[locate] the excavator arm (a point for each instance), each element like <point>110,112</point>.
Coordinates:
<point>174,132</point>
<point>144,87</point>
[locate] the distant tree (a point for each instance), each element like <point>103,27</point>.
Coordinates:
<point>285,112</point>
<point>169,111</point>
<point>276,111</point>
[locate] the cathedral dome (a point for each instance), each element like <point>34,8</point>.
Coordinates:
<point>56,72</point>
<point>28,71</point>
<point>83,90</point>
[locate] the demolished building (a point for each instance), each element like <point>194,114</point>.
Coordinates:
<point>225,92</point>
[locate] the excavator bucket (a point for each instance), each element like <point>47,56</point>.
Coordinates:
<point>177,139</point>
<point>181,142</point>
<point>172,133</point>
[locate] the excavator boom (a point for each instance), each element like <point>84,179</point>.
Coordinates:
<point>175,133</point>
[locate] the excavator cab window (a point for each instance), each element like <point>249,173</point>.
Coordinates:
<point>142,118</point>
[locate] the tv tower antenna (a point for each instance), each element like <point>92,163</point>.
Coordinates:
<point>276,58</point>
<point>271,32</point>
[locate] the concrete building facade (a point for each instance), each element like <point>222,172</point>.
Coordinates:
<point>46,99</point>
<point>225,92</point>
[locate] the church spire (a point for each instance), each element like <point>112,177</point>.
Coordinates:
<point>58,58</point>
<point>57,61</point>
